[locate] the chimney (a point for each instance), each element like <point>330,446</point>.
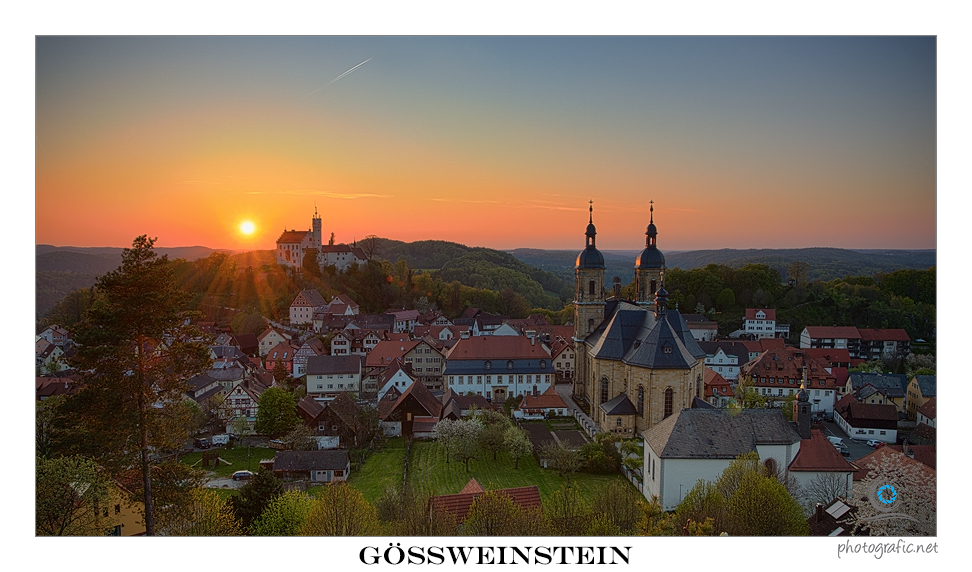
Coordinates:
<point>819,511</point>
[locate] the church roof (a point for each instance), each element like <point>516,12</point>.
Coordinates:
<point>718,433</point>
<point>633,335</point>
<point>620,405</point>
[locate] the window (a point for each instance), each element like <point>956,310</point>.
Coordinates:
<point>619,421</point>
<point>590,288</point>
<point>479,379</point>
<point>641,401</point>
<point>543,364</point>
<point>604,390</point>
<point>509,364</point>
<point>118,506</point>
<point>882,433</point>
<point>488,364</point>
<point>669,401</point>
<point>870,431</point>
<point>330,386</point>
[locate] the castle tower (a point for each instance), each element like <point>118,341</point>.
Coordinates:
<point>650,265</point>
<point>316,229</point>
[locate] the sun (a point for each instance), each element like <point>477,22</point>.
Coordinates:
<point>247,227</point>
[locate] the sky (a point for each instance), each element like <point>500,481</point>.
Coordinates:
<point>740,141</point>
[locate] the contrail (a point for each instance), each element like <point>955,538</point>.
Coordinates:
<point>340,76</point>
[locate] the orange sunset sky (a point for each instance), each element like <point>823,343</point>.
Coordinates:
<point>742,142</point>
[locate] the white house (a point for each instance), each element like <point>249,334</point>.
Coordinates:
<point>761,323</point>
<point>330,375</point>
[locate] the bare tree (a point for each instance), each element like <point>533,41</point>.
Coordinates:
<point>561,459</point>
<point>371,246</point>
<point>824,488</point>
<point>897,497</point>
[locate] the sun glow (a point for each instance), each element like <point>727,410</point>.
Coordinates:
<point>247,227</point>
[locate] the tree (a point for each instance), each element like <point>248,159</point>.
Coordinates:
<point>255,496</point>
<point>906,508</point>
<point>824,488</point>
<point>284,515</point>
<point>566,512</point>
<point>517,444</point>
<point>136,354</point>
<point>277,412</point>
<point>279,372</point>
<point>492,438</point>
<point>460,438</point>
<point>744,501</point>
<point>240,427</point>
<point>341,510</point>
<point>561,459</point>
<point>207,515</point>
<point>302,438</point>
<point>310,264</point>
<point>70,494</point>
<point>495,514</point>
<point>371,246</point>
<point>51,428</point>
<point>619,504</point>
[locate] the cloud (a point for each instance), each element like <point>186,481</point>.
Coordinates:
<point>339,77</point>
<point>319,193</point>
<point>438,200</point>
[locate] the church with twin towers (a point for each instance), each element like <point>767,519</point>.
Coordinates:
<point>636,360</point>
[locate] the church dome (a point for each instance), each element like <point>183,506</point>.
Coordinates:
<point>590,257</point>
<point>650,257</point>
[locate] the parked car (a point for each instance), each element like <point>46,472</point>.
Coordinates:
<point>242,475</point>
<point>875,443</point>
<point>201,443</point>
<point>843,450</point>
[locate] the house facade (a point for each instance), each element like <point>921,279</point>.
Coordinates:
<point>498,367</point>
<point>761,323</point>
<point>328,376</point>
<point>303,306</point>
<point>778,373</point>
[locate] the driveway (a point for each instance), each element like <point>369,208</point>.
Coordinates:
<point>857,448</point>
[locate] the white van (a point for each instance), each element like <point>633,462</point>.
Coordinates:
<point>220,439</point>
<point>835,441</point>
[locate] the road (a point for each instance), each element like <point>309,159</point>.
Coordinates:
<point>856,448</point>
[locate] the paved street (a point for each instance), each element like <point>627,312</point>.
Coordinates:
<point>857,448</point>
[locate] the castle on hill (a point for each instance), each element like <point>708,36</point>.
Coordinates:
<point>294,245</point>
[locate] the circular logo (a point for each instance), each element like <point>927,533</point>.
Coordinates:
<point>887,494</point>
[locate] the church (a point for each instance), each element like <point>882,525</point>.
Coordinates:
<point>636,360</point>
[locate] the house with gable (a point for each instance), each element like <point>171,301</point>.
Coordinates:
<point>882,343</point>
<point>541,406</point>
<point>562,356</point>
<point>416,411</point>
<point>718,390</point>
<point>456,406</point>
<point>394,376</point>
<point>405,320</point>
<point>303,306</point>
<point>324,467</point>
<point>341,419</point>
<point>892,386</point>
<point>866,421</point>
<point>921,388</point>
<point>761,323</point>
<point>311,348</point>
<point>725,357</point>
<point>269,339</point>
<point>282,353</point>
<point>926,414</point>
<point>243,401</point>
<point>328,376</point>
<point>341,256</point>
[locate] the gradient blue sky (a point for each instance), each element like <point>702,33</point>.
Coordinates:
<point>741,142</point>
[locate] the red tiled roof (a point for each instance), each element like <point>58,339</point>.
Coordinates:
<point>833,332</point>
<point>458,504</point>
<point>386,351</point>
<point>884,335</point>
<point>818,454</point>
<point>751,313</point>
<point>883,454</point>
<point>845,402</point>
<point>787,363</point>
<point>292,236</point>
<point>829,355</point>
<point>922,453</point>
<point>549,399</point>
<point>497,347</point>
<point>873,412</point>
<point>472,487</point>
<point>928,409</point>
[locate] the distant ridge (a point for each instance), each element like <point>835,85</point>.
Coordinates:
<point>825,263</point>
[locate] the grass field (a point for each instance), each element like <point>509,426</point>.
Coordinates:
<point>429,469</point>
<point>235,455</point>
<point>380,470</point>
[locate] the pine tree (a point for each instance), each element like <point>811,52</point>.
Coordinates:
<point>136,353</point>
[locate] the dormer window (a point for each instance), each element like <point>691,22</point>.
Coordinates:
<point>488,364</point>
<point>509,364</point>
<point>543,364</point>
<point>667,348</point>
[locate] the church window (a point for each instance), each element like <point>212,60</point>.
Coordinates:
<point>641,401</point>
<point>698,386</point>
<point>770,465</point>
<point>669,401</point>
<point>604,390</point>
<point>590,325</point>
<point>590,288</point>
<point>653,285</point>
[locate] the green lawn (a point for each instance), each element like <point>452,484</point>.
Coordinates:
<point>380,470</point>
<point>235,455</point>
<point>429,470</point>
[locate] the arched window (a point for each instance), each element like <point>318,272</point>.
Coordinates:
<point>509,364</point>
<point>590,325</point>
<point>669,401</point>
<point>770,466</point>
<point>604,389</point>
<point>590,288</point>
<point>488,364</point>
<point>641,401</point>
